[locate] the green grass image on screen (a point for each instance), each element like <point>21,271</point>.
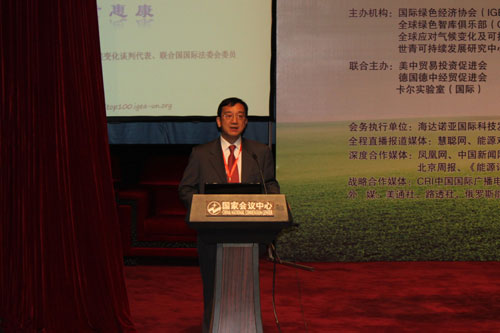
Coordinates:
<point>313,169</point>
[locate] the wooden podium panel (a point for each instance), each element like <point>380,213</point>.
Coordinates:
<point>237,293</point>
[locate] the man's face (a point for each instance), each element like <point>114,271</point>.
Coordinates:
<point>232,122</point>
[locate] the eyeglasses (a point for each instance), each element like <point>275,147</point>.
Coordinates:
<point>229,116</point>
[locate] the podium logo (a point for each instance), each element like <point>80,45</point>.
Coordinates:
<point>214,208</point>
<point>240,208</point>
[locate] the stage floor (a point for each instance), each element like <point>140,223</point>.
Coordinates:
<point>337,297</point>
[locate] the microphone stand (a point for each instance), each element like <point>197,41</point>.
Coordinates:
<point>272,253</point>
<point>274,257</point>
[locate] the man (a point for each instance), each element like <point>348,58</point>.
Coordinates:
<point>227,159</point>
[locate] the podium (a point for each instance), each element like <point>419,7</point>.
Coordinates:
<point>237,223</point>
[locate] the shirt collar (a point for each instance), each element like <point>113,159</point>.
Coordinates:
<point>225,144</point>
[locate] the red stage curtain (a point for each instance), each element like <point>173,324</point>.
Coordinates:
<point>61,264</point>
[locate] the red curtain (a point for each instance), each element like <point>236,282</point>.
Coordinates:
<point>60,260</point>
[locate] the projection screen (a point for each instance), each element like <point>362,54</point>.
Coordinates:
<point>171,58</point>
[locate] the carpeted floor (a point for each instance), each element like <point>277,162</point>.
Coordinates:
<point>337,297</point>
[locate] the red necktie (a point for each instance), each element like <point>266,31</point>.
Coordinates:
<point>231,160</point>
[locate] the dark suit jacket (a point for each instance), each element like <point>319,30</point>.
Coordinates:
<point>206,166</point>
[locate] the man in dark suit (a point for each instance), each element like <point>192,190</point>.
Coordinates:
<point>227,159</point>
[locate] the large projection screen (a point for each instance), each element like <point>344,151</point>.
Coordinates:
<point>171,58</point>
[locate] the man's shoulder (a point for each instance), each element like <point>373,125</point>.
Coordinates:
<point>251,145</point>
<point>206,146</point>
<point>255,145</point>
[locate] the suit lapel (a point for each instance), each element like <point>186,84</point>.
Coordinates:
<point>217,161</point>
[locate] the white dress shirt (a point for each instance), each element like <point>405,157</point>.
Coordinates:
<point>225,148</point>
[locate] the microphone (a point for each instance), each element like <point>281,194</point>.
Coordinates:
<point>260,170</point>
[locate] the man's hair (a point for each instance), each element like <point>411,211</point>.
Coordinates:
<point>231,101</point>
